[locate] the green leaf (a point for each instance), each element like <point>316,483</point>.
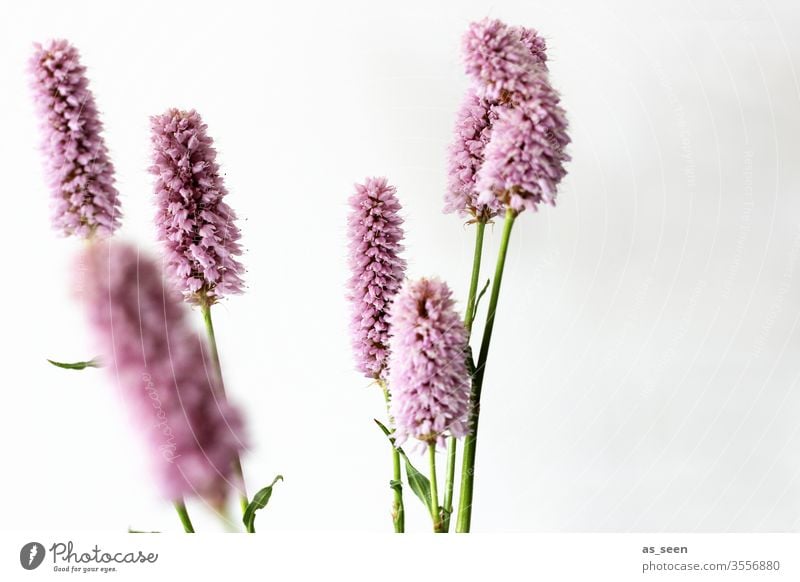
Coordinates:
<point>478,300</point>
<point>418,482</point>
<point>259,501</point>
<point>93,363</point>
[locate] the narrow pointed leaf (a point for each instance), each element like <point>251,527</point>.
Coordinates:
<point>259,501</point>
<point>478,300</point>
<point>94,363</point>
<point>419,483</point>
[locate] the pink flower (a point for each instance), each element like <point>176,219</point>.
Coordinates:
<point>498,60</point>
<point>80,174</point>
<point>427,367</point>
<point>162,367</point>
<point>472,132</point>
<point>524,159</point>
<point>377,270</point>
<point>194,223</point>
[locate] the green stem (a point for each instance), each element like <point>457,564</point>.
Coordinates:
<point>205,308</point>
<point>398,511</point>
<point>435,514</point>
<point>180,507</point>
<point>476,274</point>
<point>449,481</point>
<point>470,443</point>
<point>469,316</point>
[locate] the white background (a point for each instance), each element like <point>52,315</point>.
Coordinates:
<point>644,372</point>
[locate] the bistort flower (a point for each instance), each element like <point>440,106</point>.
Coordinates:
<point>427,365</point>
<point>195,225</point>
<point>163,368</point>
<point>376,270</point>
<point>472,131</point>
<point>80,174</point>
<point>524,159</point>
<point>506,64</point>
<point>502,65</point>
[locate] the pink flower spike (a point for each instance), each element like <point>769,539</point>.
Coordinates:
<point>195,225</point>
<point>427,364</point>
<point>376,271</point>
<point>80,174</point>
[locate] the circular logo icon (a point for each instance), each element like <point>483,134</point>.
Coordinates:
<point>31,555</point>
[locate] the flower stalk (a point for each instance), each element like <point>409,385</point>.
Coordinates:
<point>205,308</point>
<point>183,514</point>
<point>470,443</point>
<point>398,511</point>
<point>436,515</point>
<point>469,316</point>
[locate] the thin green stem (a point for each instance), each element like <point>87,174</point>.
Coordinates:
<point>469,317</point>
<point>180,507</point>
<point>205,308</point>
<point>435,513</point>
<point>449,482</point>
<point>398,511</point>
<point>470,443</point>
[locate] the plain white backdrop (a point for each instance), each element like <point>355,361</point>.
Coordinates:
<point>644,371</point>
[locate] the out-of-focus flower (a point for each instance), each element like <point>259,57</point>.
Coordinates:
<point>162,367</point>
<point>376,270</point>
<point>80,174</point>
<point>427,366</point>
<point>195,225</point>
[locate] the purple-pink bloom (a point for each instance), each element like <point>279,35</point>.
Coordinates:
<point>80,174</point>
<point>499,61</point>
<point>194,223</point>
<point>163,369</point>
<point>524,159</point>
<point>427,365</point>
<point>376,270</point>
<point>506,64</point>
<point>472,132</point>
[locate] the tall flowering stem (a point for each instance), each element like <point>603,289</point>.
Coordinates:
<point>471,441</point>
<point>376,273</point>
<point>469,316</point>
<point>194,223</point>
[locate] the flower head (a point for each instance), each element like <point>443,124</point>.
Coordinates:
<point>194,223</point>
<point>163,368</point>
<point>524,159</point>
<point>376,270</point>
<point>498,59</point>
<point>472,132</point>
<point>427,367</point>
<point>80,174</point>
